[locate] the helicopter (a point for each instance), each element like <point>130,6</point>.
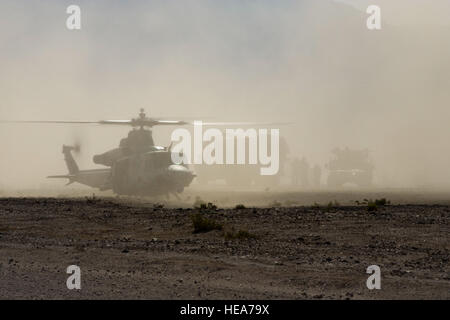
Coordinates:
<point>137,167</point>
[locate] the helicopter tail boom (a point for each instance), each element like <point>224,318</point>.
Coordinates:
<point>97,178</point>
<point>70,177</point>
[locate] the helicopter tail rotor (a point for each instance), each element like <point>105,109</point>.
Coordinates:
<point>75,148</point>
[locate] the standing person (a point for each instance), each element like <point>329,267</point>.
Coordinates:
<point>303,172</point>
<point>295,172</point>
<point>316,176</point>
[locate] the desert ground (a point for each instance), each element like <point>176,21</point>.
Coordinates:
<point>278,245</point>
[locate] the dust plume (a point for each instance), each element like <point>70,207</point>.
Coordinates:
<point>309,62</point>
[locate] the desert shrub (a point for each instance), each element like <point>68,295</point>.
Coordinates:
<point>198,202</point>
<point>91,200</point>
<point>316,205</point>
<point>371,206</point>
<point>382,202</point>
<point>333,204</point>
<point>202,205</point>
<point>203,224</point>
<point>211,206</point>
<point>240,206</point>
<point>158,206</point>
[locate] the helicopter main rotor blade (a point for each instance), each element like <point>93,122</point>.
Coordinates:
<point>50,121</point>
<point>115,122</point>
<point>257,124</point>
<point>171,122</point>
<point>148,122</point>
<point>136,122</point>
<point>144,122</point>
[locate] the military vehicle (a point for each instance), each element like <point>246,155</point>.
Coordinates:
<point>350,166</point>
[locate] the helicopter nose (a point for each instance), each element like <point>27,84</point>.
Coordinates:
<point>180,172</point>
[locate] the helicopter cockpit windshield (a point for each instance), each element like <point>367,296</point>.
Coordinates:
<point>138,140</point>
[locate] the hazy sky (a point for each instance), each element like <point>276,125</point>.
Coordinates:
<point>310,62</point>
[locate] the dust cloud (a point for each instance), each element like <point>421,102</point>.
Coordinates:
<point>312,63</point>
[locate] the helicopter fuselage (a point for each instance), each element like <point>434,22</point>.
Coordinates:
<point>133,169</point>
<point>136,167</point>
<point>149,174</point>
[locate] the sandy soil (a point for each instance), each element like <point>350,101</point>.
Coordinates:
<point>135,249</point>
